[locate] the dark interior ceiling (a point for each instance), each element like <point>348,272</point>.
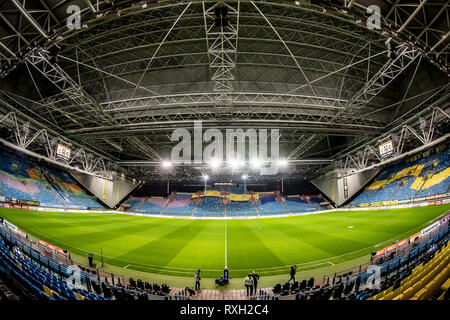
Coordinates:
<point>137,70</point>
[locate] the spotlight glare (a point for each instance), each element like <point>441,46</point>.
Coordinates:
<point>244,176</point>
<point>214,163</point>
<point>235,163</point>
<point>282,163</point>
<point>205,177</point>
<point>167,164</point>
<point>256,163</point>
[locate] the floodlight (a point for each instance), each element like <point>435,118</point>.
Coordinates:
<point>167,164</point>
<point>214,163</point>
<point>244,177</point>
<point>205,177</point>
<point>234,163</point>
<point>282,162</point>
<point>256,163</point>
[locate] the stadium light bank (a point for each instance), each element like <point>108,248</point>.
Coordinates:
<point>232,149</point>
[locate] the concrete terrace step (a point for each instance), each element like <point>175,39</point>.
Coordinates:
<point>215,294</point>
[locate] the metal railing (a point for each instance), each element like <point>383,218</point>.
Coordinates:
<point>26,245</point>
<point>347,276</point>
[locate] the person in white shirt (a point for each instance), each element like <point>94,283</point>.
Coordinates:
<point>248,281</point>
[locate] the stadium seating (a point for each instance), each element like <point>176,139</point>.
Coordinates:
<point>302,204</point>
<point>424,177</point>
<point>271,207</point>
<point>42,283</point>
<point>419,273</point>
<point>424,282</point>
<point>210,206</point>
<point>47,279</point>
<point>66,188</point>
<point>240,208</point>
<point>181,206</point>
<point>23,180</point>
<point>147,205</point>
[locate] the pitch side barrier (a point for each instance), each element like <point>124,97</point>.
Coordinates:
<point>396,262</point>
<point>384,207</point>
<point>53,264</point>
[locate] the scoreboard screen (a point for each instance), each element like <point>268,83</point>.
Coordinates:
<point>386,149</point>
<point>63,152</point>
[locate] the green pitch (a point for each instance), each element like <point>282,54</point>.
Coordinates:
<point>180,246</point>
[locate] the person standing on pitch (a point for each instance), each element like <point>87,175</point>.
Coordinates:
<point>197,279</point>
<point>255,277</point>
<point>293,270</point>
<point>248,281</point>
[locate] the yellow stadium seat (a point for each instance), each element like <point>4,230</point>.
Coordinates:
<point>407,294</point>
<point>388,296</point>
<point>384,293</point>
<point>399,297</point>
<point>48,291</point>
<point>446,285</point>
<point>79,296</point>
<point>417,269</point>
<point>433,286</point>
<point>424,281</point>
<point>405,286</point>
<point>419,294</point>
<point>397,291</point>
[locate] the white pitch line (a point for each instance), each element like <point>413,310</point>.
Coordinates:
<point>226,249</point>
<point>126,266</point>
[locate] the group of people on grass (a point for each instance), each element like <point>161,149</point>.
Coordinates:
<point>250,282</point>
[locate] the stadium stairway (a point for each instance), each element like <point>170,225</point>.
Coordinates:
<point>215,294</point>
<point>54,191</point>
<point>194,210</point>
<point>256,209</point>
<point>139,205</point>
<point>164,209</point>
<point>392,196</point>
<point>58,194</point>
<point>420,189</point>
<point>286,207</point>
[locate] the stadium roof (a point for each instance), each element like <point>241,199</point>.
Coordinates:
<point>136,70</point>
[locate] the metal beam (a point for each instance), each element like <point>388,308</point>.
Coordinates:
<point>92,112</point>
<point>30,19</point>
<point>287,48</point>
<point>411,17</point>
<point>157,49</point>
